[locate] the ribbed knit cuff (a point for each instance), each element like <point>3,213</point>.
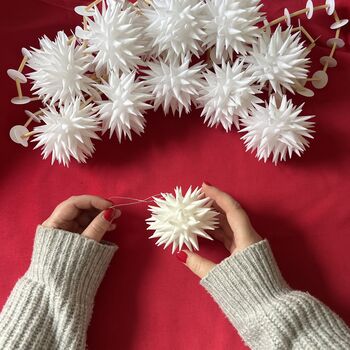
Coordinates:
<point>69,263</point>
<point>244,282</point>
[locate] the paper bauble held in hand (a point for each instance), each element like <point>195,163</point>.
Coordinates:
<point>179,219</point>
<point>126,59</point>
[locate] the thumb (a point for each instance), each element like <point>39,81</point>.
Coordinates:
<point>101,224</point>
<point>198,265</point>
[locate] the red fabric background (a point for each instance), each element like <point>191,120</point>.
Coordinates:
<point>148,300</point>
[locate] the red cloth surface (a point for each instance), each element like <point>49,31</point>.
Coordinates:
<point>148,300</point>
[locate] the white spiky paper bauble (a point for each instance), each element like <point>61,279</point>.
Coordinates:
<point>232,25</point>
<point>114,37</point>
<point>279,59</point>
<point>59,70</point>
<point>180,219</point>
<point>228,94</point>
<point>173,85</point>
<point>277,130</point>
<point>67,132</point>
<point>175,27</point>
<point>127,101</point>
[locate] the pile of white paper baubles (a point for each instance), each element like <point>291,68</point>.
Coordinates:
<point>128,59</point>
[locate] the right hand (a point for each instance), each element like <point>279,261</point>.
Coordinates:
<point>91,216</point>
<point>235,230</point>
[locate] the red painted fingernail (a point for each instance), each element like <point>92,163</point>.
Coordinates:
<point>182,256</point>
<point>109,214</point>
<point>207,183</point>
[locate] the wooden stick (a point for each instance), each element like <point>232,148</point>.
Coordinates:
<point>96,2</point>
<point>23,63</point>
<point>336,17</point>
<point>28,134</point>
<point>307,34</point>
<point>19,89</point>
<point>28,122</point>
<point>294,14</point>
<point>337,34</point>
<point>84,23</point>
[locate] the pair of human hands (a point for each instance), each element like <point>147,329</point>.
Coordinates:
<point>93,216</point>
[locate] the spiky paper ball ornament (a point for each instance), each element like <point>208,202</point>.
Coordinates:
<point>123,111</point>
<point>277,129</point>
<point>114,37</point>
<point>59,70</point>
<point>175,27</point>
<point>180,219</point>
<point>67,132</point>
<point>279,59</point>
<point>228,94</point>
<point>232,25</point>
<point>173,85</point>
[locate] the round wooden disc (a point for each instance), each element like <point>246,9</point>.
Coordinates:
<point>332,62</point>
<point>32,115</point>
<point>81,33</point>
<point>321,79</point>
<point>305,92</point>
<point>26,52</point>
<point>310,7</point>
<point>20,100</point>
<point>330,7</point>
<point>81,10</point>
<point>287,15</point>
<point>339,24</point>
<point>339,42</point>
<point>16,75</point>
<point>16,132</point>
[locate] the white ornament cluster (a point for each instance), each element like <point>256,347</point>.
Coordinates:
<point>221,56</point>
<point>181,218</point>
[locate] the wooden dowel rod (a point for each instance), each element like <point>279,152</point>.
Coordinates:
<point>19,89</point>
<point>336,17</point>
<point>23,63</point>
<point>28,122</point>
<point>96,2</point>
<point>306,33</point>
<point>294,14</point>
<point>28,134</point>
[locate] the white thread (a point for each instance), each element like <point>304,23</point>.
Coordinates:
<point>134,201</point>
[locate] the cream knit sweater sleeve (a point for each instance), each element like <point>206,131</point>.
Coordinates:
<point>51,305</point>
<point>267,313</point>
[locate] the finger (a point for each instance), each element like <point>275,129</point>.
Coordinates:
<point>236,216</point>
<point>223,200</point>
<point>101,224</point>
<point>85,202</point>
<point>226,228</point>
<point>72,207</point>
<point>197,264</point>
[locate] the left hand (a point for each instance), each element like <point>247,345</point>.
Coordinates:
<point>88,215</point>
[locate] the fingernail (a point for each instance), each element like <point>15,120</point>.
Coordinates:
<point>207,183</point>
<point>109,214</point>
<point>182,256</point>
<point>117,213</point>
